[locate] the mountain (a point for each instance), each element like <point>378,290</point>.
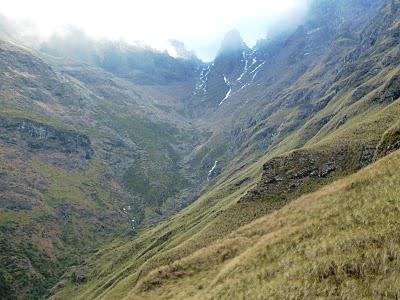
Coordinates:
<point>232,43</point>
<point>137,63</point>
<point>217,80</point>
<point>85,156</point>
<point>268,173</point>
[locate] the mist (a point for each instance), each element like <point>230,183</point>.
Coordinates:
<point>201,25</point>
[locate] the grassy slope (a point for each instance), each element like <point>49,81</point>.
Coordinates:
<point>339,242</point>
<point>115,270</point>
<point>65,207</point>
<point>76,210</point>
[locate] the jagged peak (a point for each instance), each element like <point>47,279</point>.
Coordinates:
<point>232,42</point>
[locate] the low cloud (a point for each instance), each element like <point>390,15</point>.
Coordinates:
<point>199,24</point>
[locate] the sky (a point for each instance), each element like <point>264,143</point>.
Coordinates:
<point>200,24</point>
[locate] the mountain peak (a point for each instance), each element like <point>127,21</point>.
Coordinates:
<point>232,42</point>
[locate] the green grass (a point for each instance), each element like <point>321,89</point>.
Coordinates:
<point>390,141</point>
<point>23,113</point>
<point>219,246</point>
<point>36,247</point>
<point>146,266</point>
<point>292,238</point>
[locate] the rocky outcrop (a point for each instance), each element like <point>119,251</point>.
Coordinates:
<point>300,169</point>
<point>391,90</point>
<point>79,277</point>
<point>34,136</point>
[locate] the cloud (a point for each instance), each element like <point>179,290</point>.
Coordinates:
<point>197,23</point>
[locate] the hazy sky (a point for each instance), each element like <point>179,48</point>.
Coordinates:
<point>200,24</point>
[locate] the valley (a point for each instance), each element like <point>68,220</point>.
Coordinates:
<point>126,173</point>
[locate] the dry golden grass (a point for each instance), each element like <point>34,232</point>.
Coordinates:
<point>341,242</point>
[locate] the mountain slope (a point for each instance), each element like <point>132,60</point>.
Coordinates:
<point>98,146</point>
<point>85,157</point>
<point>298,81</point>
<point>339,242</point>
<point>301,131</point>
<point>116,269</point>
<point>138,63</point>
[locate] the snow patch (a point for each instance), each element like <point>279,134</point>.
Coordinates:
<point>245,66</point>
<point>245,85</point>
<point>256,70</point>
<point>259,66</point>
<point>212,169</point>
<point>228,93</point>
<point>201,85</point>
<point>226,96</point>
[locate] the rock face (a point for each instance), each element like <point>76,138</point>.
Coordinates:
<point>391,90</point>
<point>64,148</point>
<point>299,170</point>
<point>60,285</point>
<point>218,80</point>
<point>39,136</point>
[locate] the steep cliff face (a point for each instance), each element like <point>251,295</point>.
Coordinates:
<point>300,171</point>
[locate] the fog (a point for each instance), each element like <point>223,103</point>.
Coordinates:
<point>201,25</point>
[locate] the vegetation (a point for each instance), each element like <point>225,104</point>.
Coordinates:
<point>99,172</point>
<point>390,142</point>
<point>339,242</point>
<point>152,262</point>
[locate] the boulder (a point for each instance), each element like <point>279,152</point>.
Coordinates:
<point>79,277</point>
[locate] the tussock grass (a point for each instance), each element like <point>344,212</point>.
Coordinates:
<point>390,141</point>
<point>341,242</point>
<point>175,244</point>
